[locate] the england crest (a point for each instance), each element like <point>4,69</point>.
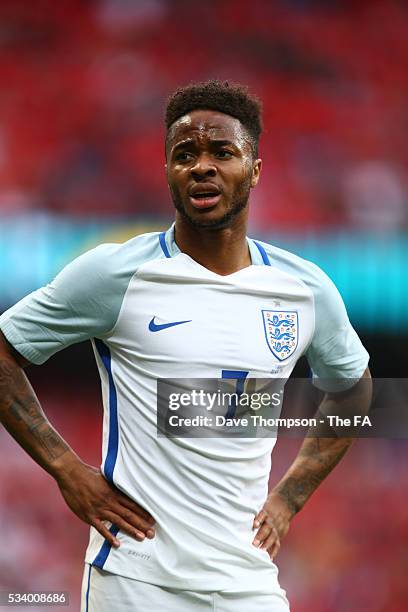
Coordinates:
<point>281,332</point>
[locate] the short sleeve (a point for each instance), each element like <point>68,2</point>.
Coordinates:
<point>80,303</point>
<point>336,354</point>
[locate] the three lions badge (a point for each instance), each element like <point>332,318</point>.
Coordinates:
<point>281,332</point>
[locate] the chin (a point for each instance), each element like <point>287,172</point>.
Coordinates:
<point>210,220</point>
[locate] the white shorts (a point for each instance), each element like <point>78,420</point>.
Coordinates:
<point>106,592</point>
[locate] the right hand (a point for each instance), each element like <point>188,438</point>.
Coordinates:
<point>94,500</point>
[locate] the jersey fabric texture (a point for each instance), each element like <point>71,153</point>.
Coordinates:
<point>203,493</point>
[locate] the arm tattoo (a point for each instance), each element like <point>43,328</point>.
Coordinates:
<point>323,448</point>
<point>27,411</point>
<point>295,492</point>
<point>24,418</point>
<point>316,459</point>
<point>52,442</point>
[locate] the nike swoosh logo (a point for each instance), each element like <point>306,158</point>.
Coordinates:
<point>155,327</point>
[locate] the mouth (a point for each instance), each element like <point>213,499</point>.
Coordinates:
<point>204,196</point>
<point>205,200</point>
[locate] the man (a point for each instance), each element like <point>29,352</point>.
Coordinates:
<point>178,523</point>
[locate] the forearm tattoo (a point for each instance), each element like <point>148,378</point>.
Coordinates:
<point>316,459</point>
<point>24,418</point>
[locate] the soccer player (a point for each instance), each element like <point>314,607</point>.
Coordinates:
<point>185,524</point>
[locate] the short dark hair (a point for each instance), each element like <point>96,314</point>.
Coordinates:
<point>229,98</point>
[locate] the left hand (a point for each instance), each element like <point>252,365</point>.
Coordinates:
<point>272,523</point>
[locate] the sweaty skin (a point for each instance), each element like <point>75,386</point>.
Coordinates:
<point>211,147</point>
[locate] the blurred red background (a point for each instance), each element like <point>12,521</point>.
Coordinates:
<point>84,85</point>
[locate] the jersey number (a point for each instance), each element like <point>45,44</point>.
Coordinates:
<point>239,376</point>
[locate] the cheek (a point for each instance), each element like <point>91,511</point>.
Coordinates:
<point>178,182</point>
<point>172,184</point>
<point>174,178</point>
<point>242,175</point>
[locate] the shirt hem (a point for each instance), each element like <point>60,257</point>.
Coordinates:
<point>13,336</point>
<point>333,385</point>
<point>257,579</point>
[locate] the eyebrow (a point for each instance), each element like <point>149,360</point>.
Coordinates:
<point>216,141</point>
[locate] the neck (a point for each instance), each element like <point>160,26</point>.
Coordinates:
<point>223,251</point>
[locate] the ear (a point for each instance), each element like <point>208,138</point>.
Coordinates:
<point>256,172</point>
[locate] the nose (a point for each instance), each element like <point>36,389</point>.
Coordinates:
<point>203,167</point>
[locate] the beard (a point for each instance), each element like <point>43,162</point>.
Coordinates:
<point>239,200</point>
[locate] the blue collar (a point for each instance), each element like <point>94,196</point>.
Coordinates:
<point>169,247</point>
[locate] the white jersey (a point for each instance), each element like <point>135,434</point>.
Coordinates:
<point>153,312</point>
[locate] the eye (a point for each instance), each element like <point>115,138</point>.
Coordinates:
<point>183,156</point>
<point>224,154</point>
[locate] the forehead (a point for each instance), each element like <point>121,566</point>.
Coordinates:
<point>208,125</point>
